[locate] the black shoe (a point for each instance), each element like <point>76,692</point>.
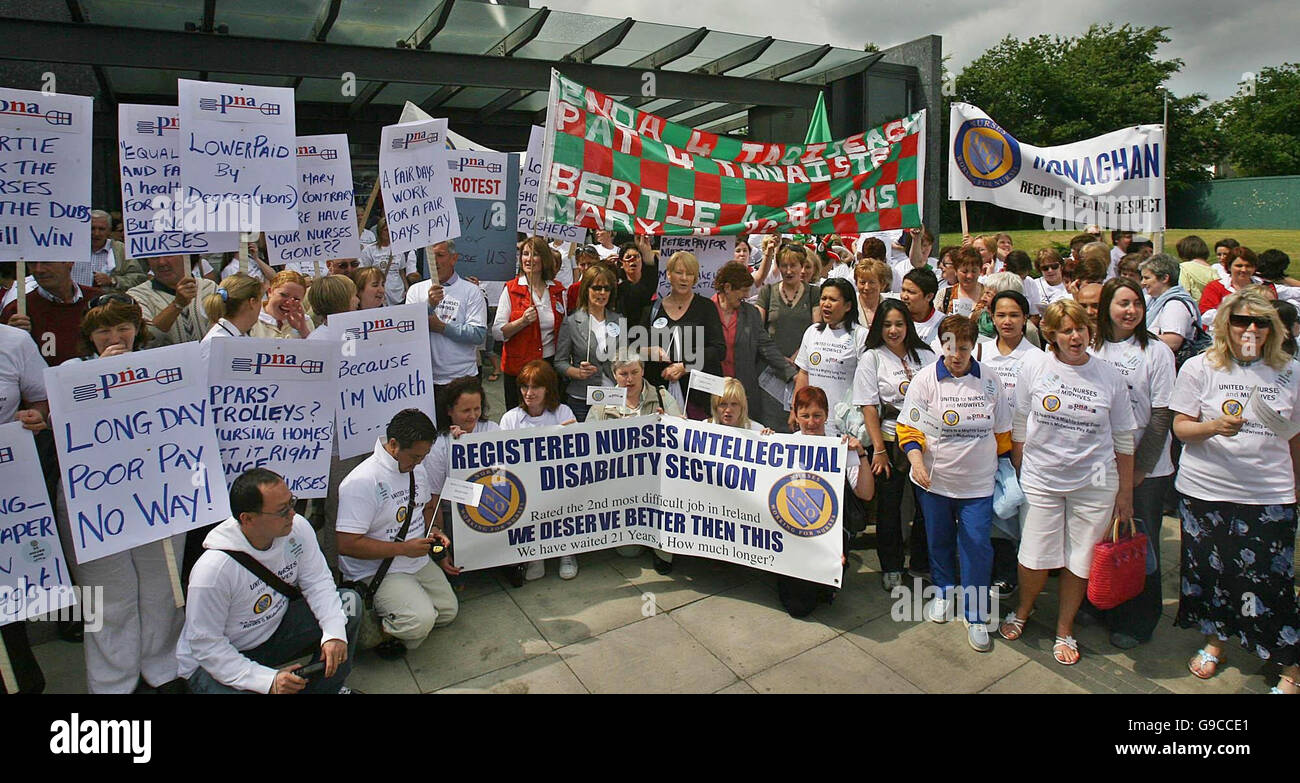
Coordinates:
<point>176,686</point>
<point>514,575</point>
<point>661,566</point>
<point>391,649</point>
<point>1002,589</point>
<point>72,631</point>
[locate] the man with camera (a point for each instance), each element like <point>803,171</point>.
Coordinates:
<point>386,540</point>
<point>261,595</point>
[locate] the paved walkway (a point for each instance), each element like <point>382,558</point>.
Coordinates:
<point>714,627</point>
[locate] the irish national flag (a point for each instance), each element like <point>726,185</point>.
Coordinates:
<point>608,165</point>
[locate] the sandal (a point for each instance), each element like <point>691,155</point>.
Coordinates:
<point>1278,688</point>
<point>494,376</point>
<point>1061,644</point>
<point>1013,627</point>
<point>1198,663</point>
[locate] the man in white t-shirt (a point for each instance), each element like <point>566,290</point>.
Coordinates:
<point>382,518</point>
<point>457,322</point>
<point>1121,241</point>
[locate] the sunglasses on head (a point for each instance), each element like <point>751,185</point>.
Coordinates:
<point>1245,321</point>
<point>104,299</point>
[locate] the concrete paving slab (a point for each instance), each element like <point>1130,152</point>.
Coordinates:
<point>597,600</point>
<point>837,666</point>
<point>541,674</point>
<point>1033,677</point>
<point>651,656</point>
<point>949,665</point>
<point>692,578</point>
<point>490,633</point>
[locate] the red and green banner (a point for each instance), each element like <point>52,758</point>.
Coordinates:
<point>610,166</point>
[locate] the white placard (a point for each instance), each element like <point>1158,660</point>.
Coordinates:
<point>708,382</point>
<point>478,174</point>
<point>384,368</point>
<point>152,200</point>
<point>921,419</point>
<point>45,167</point>
<point>137,449</point>
<point>711,252</point>
<point>414,179</point>
<point>607,395</point>
<point>32,571</point>
<point>529,183</point>
<point>238,154</point>
<point>1281,426</point>
<point>327,210</point>
<point>273,407</point>
<point>467,493</point>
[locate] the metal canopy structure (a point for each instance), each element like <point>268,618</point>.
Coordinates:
<point>484,66</point>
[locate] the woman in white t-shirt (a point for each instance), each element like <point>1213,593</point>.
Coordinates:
<point>1050,286</point>
<point>233,310</point>
<point>540,406</point>
<point>828,354</point>
<point>1073,445</point>
<point>1147,365</point>
<point>1237,483</point>
<point>141,620</point>
<point>961,298</point>
<point>894,355</point>
<point>954,422</point>
<point>1007,354</point>
<point>399,268</point>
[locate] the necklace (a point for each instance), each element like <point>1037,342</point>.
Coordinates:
<point>789,302</point>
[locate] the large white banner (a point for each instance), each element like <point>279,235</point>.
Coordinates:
<point>31,561</point>
<point>529,185</point>
<point>151,184</point>
<point>773,502</point>
<point>414,179</point>
<point>137,449</point>
<point>1116,180</point>
<point>237,153</point>
<point>384,368</point>
<point>45,170</point>
<point>327,210</point>
<point>273,407</point>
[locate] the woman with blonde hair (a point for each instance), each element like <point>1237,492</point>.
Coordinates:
<point>233,310</point>
<point>731,408</point>
<point>370,288</point>
<point>873,277</point>
<point>329,295</point>
<point>1072,442</point>
<point>678,323</point>
<point>282,316</point>
<point>1236,480</point>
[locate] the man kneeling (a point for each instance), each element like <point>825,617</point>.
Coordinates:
<point>383,517</point>
<point>262,595</point>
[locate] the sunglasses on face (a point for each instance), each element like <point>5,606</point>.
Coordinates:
<point>1245,321</point>
<point>285,512</point>
<point>604,288</point>
<point>1048,267</point>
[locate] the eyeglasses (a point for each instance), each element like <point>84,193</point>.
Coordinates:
<point>347,264</point>
<point>1245,321</point>
<point>104,299</point>
<point>600,288</point>
<point>285,512</point>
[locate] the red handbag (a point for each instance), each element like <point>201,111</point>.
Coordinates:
<point>1119,567</point>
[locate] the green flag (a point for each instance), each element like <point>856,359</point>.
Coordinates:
<point>819,128</point>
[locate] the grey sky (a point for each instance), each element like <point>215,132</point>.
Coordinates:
<point>1217,41</point>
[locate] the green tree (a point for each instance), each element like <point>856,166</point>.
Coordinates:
<point>1258,125</point>
<point>1050,90</point>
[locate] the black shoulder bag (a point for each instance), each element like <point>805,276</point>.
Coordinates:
<point>368,591</point>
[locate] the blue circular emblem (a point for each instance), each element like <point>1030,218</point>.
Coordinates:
<point>986,154</point>
<point>804,504</point>
<point>501,505</point>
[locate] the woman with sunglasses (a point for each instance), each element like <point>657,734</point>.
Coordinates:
<point>141,622</point>
<point>893,355</point>
<point>1237,482</point>
<point>1147,365</point>
<point>588,338</point>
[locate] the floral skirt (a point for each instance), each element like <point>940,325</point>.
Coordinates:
<point>1238,576</point>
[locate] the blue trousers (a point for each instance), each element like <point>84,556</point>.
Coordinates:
<point>298,632</point>
<point>958,528</point>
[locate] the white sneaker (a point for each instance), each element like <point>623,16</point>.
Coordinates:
<point>978,636</point>
<point>937,610</point>
<point>568,567</point>
<point>536,570</point>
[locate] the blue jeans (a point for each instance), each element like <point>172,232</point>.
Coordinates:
<point>298,632</point>
<point>959,528</point>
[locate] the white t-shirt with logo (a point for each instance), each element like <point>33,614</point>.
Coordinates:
<point>1009,367</point>
<point>1252,467</point>
<point>22,371</point>
<point>372,501</point>
<point>830,357</point>
<point>883,377</point>
<point>962,454</point>
<point>437,466</point>
<point>1073,413</point>
<point>1150,378</point>
<point>1175,317</point>
<point>462,303</point>
<point>928,330</point>
<point>518,418</point>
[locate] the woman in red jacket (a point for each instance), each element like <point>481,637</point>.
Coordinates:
<point>1240,265</point>
<point>529,314</point>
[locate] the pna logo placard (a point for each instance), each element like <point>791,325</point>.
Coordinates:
<point>314,152</point>
<point>224,104</point>
<point>264,362</point>
<point>117,381</point>
<point>415,139</point>
<point>32,110</point>
<point>158,126</point>
<point>378,326</point>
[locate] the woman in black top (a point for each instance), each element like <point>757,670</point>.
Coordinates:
<point>639,283</point>
<point>685,333</point>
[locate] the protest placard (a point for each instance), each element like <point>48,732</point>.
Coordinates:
<point>486,189</point>
<point>530,184</point>
<point>612,166</point>
<point>414,179</point>
<point>34,579</point>
<point>772,502</point>
<point>45,158</point>
<point>1116,180</point>
<point>237,155</point>
<point>137,449</point>
<point>327,211</point>
<point>272,404</point>
<point>385,367</point>
<point>711,252</point>
<point>150,164</point>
